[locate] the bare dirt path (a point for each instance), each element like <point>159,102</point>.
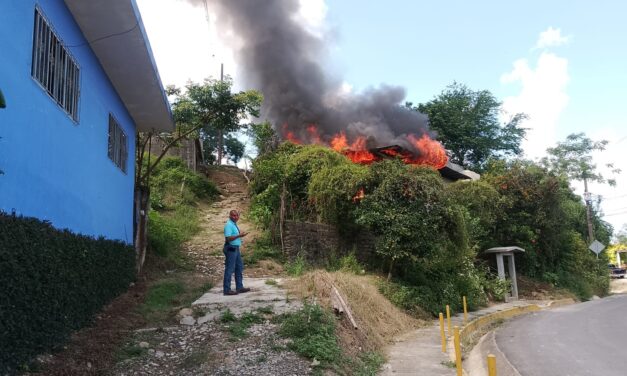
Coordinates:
<point>205,341</point>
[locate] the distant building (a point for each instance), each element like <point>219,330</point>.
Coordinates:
<point>81,80</point>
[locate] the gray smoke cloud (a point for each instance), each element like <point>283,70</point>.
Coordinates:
<point>285,62</point>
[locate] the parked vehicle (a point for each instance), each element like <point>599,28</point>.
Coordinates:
<point>616,271</point>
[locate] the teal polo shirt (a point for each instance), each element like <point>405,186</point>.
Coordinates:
<point>230,229</point>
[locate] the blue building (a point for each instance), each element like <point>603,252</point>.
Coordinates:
<point>79,80</point>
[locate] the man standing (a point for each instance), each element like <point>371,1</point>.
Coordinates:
<point>233,259</point>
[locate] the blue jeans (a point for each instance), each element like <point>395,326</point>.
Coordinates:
<point>233,264</point>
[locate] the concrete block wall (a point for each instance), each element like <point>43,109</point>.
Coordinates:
<point>319,242</point>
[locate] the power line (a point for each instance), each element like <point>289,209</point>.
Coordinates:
<point>106,36</point>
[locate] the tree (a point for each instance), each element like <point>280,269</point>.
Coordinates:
<point>405,209</point>
<point>215,107</point>
<point>2,101</point>
<point>232,148</point>
<point>264,137</point>
<point>467,123</point>
<point>572,158</point>
<point>203,106</point>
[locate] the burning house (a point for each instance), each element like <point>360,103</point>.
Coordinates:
<point>281,56</point>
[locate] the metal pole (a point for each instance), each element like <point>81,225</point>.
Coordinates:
<point>442,333</point>
<point>588,198</point>
<point>465,310</point>
<point>448,318</point>
<point>458,352</point>
<point>491,365</point>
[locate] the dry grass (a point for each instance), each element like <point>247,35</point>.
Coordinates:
<point>379,321</point>
<point>536,290</point>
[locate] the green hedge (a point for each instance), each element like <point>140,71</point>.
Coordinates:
<point>51,283</point>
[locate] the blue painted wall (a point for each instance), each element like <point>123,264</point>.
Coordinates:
<point>54,168</point>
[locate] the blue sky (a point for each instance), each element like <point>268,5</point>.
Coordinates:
<point>573,82</point>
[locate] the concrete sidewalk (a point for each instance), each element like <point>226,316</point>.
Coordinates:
<point>420,352</point>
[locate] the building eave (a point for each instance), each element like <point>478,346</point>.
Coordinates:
<point>117,36</point>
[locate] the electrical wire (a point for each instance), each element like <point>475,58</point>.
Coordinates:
<point>106,36</point>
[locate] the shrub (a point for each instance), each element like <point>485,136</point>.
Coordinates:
<point>53,282</point>
<point>172,183</point>
<point>168,230</point>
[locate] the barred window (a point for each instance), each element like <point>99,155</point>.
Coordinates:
<point>118,150</point>
<point>54,68</point>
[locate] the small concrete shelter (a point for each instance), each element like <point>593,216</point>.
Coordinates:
<point>506,252</point>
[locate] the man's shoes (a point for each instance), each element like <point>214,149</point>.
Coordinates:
<point>231,292</point>
<point>243,290</point>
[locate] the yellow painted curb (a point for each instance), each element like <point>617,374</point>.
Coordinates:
<point>481,322</point>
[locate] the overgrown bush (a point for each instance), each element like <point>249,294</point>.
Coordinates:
<point>172,183</point>
<point>53,282</point>
<point>174,192</point>
<point>168,230</point>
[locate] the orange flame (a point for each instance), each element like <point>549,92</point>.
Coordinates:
<point>359,195</point>
<point>432,153</point>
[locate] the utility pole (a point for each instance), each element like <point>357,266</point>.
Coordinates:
<point>588,197</point>
<point>220,141</point>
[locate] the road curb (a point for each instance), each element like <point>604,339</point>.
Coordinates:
<point>468,331</point>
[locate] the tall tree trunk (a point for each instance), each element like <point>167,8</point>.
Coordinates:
<point>390,270</point>
<point>142,202</point>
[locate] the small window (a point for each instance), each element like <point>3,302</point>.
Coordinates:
<point>118,149</point>
<point>54,68</point>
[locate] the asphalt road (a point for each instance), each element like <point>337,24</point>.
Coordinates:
<point>581,339</point>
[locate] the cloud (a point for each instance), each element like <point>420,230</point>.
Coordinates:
<point>542,97</point>
<point>551,38</point>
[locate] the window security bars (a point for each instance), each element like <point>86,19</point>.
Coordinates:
<point>118,148</point>
<point>54,68</point>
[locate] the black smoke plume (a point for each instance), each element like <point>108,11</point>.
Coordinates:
<point>282,59</point>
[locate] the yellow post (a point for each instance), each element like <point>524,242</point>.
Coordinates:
<point>465,311</point>
<point>458,352</point>
<point>448,318</point>
<point>442,333</point>
<point>491,365</point>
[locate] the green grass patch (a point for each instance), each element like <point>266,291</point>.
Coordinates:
<point>312,331</point>
<point>238,327</point>
<point>263,249</point>
<point>129,351</point>
<point>163,295</point>
<point>167,230</point>
<point>297,267</point>
<point>166,296</point>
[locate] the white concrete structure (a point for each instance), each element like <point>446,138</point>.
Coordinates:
<point>501,253</point>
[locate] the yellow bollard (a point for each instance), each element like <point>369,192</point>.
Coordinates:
<point>491,365</point>
<point>465,311</point>
<point>442,333</point>
<point>448,318</point>
<point>458,352</point>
